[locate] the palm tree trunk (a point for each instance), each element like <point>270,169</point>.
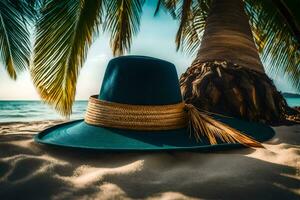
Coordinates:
<point>228,36</point>
<point>227,75</point>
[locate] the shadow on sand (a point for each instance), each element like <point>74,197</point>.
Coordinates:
<point>31,170</point>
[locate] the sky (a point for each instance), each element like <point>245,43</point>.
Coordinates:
<point>156,38</point>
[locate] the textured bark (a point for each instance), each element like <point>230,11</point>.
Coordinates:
<point>227,76</point>
<point>228,37</point>
<point>229,89</point>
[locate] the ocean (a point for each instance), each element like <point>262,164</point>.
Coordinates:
<point>15,111</point>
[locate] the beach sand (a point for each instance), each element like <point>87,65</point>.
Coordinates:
<point>32,171</point>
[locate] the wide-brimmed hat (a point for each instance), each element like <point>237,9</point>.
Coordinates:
<point>140,108</point>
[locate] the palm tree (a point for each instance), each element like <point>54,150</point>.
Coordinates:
<point>227,74</point>
<point>15,18</point>
<point>65,31</point>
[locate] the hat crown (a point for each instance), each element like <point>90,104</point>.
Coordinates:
<point>140,80</point>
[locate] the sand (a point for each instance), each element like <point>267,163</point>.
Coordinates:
<point>32,171</point>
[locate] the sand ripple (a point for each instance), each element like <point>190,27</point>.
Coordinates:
<point>32,171</point>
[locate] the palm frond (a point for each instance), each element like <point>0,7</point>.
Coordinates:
<point>192,16</point>
<point>65,31</point>
<point>192,31</point>
<point>205,126</point>
<point>185,16</point>
<point>279,49</point>
<point>122,20</point>
<point>14,36</point>
<point>169,5</point>
<point>28,8</point>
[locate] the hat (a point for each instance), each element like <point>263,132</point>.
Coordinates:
<point>140,108</point>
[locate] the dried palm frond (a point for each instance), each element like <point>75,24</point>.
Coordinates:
<point>202,125</point>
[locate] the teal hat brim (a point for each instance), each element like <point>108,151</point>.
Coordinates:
<point>78,134</point>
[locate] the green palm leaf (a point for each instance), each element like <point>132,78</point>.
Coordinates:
<point>14,36</point>
<point>122,20</point>
<point>191,26</point>
<point>65,31</point>
<point>276,39</point>
<point>169,5</point>
<point>185,17</point>
<point>192,16</point>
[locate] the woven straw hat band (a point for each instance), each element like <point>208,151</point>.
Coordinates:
<point>162,117</point>
<point>135,117</point>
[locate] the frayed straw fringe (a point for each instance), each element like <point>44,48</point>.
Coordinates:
<point>203,125</point>
<point>163,117</point>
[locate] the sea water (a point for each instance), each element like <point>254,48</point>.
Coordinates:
<point>15,111</point>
